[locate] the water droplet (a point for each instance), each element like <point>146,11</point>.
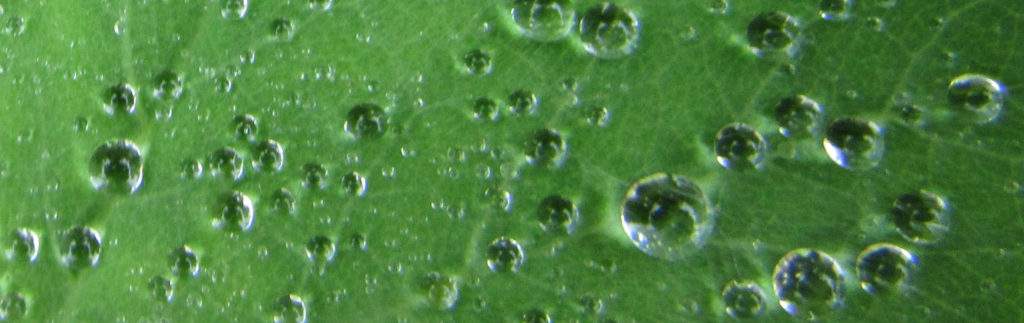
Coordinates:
<point>169,86</point>
<point>798,116</point>
<point>234,9</point>
<point>80,247</point>
<point>558,214</point>
<point>609,31</point>
<point>13,307</point>
<point>720,7</point>
<point>478,62</point>
<point>282,29</point>
<point>543,20</point>
<point>116,166</point>
<point>978,95</point>
<point>315,176</point>
<point>854,143</point>
<point>24,245</point>
<point>592,305</point>
<point>743,299</point>
<point>15,26</point>
<point>161,288</point>
<point>122,99</point>
<point>323,5</point>
<point>876,23</point>
<point>290,309</point>
<point>236,213</point>
<point>245,127</point>
<point>486,109</point>
<point>358,241</point>
<point>921,217</point>
<point>545,147</point>
<point>505,255</point>
<point>226,162</point>
<point>523,102</point>
<point>320,250</point>
<point>191,169</point>
<point>367,120</point>
<point>883,268</point>
<point>499,198</point>
<point>282,201</point>
<point>739,147</point>
<point>666,216</point>
<point>809,283</point>
<point>536,316</point>
<point>441,291</point>
<point>184,262</point>
<point>268,155</point>
<point>599,116</point>
<point>835,9</point>
<point>773,32</point>
<point>353,184</point>
<point>81,124</point>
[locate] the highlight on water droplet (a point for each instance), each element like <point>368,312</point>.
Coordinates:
<point>116,166</point>
<point>799,116</point>
<point>366,120</point>
<point>121,99</point>
<point>485,109</point>
<point>523,102</point>
<point>773,32</point>
<point>885,268</point>
<point>320,250</point>
<point>505,255</point>
<point>545,147</point>
<point>226,162</point>
<point>353,184</point>
<point>809,283</point>
<point>558,214</point>
<point>234,9</point>
<point>184,262</point>
<point>161,288</point>
<point>168,86</point>
<point>921,217</point>
<point>609,31</point>
<point>543,20</point>
<point>13,307</point>
<point>290,309</point>
<point>245,127</point>
<point>268,155</point>
<point>979,96</point>
<point>743,299</point>
<point>666,216</point>
<point>23,245</point>
<point>282,29</point>
<point>835,9</point>
<point>314,176</point>
<point>235,213</point>
<point>478,62</point>
<point>80,247</point>
<point>440,291</point>
<point>854,144</point>
<point>739,147</point>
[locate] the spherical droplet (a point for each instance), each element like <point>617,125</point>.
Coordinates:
<point>191,169</point>
<point>485,109</point>
<point>80,247</point>
<point>290,309</point>
<point>980,96</point>
<point>441,291</point>
<point>184,262</point>
<point>798,116</point>
<point>245,127</point>
<point>168,86</point>
<point>478,62</point>
<point>161,288</point>
<point>739,147</point>
<point>322,5</point>
<point>666,216</point>
<point>353,184</point>
<point>282,29</point>
<point>268,155</point>
<point>854,143</point>
<point>314,176</point>
<point>505,255</point>
<point>743,299</point>
<point>543,20</point>
<point>236,213</point>
<point>883,268</point>
<point>773,32</point>
<point>116,166</point>
<point>545,147</point>
<point>523,102</point>
<point>609,31</point>
<point>558,214</point>
<point>121,99</point>
<point>234,9</point>
<point>226,162</point>
<point>809,283</point>
<point>320,250</point>
<point>13,307</point>
<point>367,120</point>
<point>282,201</point>
<point>24,245</point>
<point>921,217</point>
<point>536,316</point>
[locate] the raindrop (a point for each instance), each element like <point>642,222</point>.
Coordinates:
<point>543,20</point>
<point>13,307</point>
<point>15,26</point>
<point>921,217</point>
<point>835,9</point>
<point>883,268</point>
<point>773,31</point>
<point>268,155</point>
<point>353,184</point>
<point>283,29</point>
<point>366,120</point>
<point>184,262</point>
<point>169,86</point>
<point>739,146</point>
<point>485,109</point>
<point>283,202</point>
<point>979,95</point>
<point>80,247</point>
<point>558,214</point>
<point>24,245</point>
<point>290,309</point>
<point>523,102</point>
<point>191,169</point>
<point>545,147</point>
<point>666,216</point>
<point>226,162</point>
<point>809,283</point>
<point>234,9</point>
<point>536,316</point>
<point>854,143</point>
<point>323,5</point>
<point>315,176</point>
<point>478,62</point>
<point>505,255</point>
<point>798,116</point>
<point>441,291</point>
<point>245,127</point>
<point>122,99</point>
<point>320,250</point>
<point>609,31</point>
<point>743,299</point>
<point>161,288</point>
<point>116,166</point>
<point>236,213</point>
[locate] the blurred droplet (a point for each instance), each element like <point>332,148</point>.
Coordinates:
<point>282,202</point>
<point>245,127</point>
<point>234,9</point>
<point>921,217</point>
<point>184,262</point>
<point>545,147</point>
<point>282,29</point>
<point>235,214</point>
<point>478,62</point>
<point>121,99</point>
<point>168,86</point>
<point>799,116</point>
<point>440,291</point>
<point>13,307</point>
<point>226,162</point>
<point>485,109</point>
<point>314,176</point>
<point>367,120</point>
<point>161,288</point>
<point>290,309</point>
<point>558,214</point>
<point>23,245</point>
<point>523,102</point>
<point>835,9</point>
<point>80,248</point>
<point>268,155</point>
<point>320,250</point>
<point>353,184</point>
<point>773,32</point>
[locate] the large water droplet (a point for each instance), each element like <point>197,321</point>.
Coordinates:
<point>921,217</point>
<point>743,299</point>
<point>523,102</point>
<point>268,155</point>
<point>290,309</point>
<point>116,166</point>
<point>226,162</point>
<point>353,184</point>
<point>980,96</point>
<point>799,116</point>
<point>773,32</point>
<point>367,120</point>
<point>13,306</point>
<point>245,127</point>
<point>80,247</point>
<point>558,214</point>
<point>320,250</point>
<point>835,9</point>
<point>505,255</point>
<point>739,147</point>
<point>282,201</point>
<point>236,213</point>
<point>234,9</point>
<point>184,262</point>
<point>854,143</point>
<point>543,20</point>
<point>478,62</point>
<point>545,147</point>
<point>24,245</point>
<point>169,86</point>
<point>883,268</point>
<point>485,109</point>
<point>161,288</point>
<point>314,176</point>
<point>666,216</point>
<point>121,99</point>
<point>609,31</point>
<point>809,283</point>
<point>441,291</point>
<point>282,29</point>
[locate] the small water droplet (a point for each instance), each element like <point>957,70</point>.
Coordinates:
<point>268,155</point>
<point>121,99</point>
<point>80,247</point>
<point>282,202</point>
<point>558,214</point>
<point>739,147</point>
<point>353,184</point>
<point>441,291</point>
<point>290,309</point>
<point>809,283</point>
<point>116,166</point>
<point>320,250</point>
<point>609,31</point>
<point>236,213</point>
<point>314,176</point>
<point>545,147</point>
<point>523,102</point>
<point>226,162</point>
<point>499,198</point>
<point>245,127</point>
<point>980,96</point>
<point>24,245</point>
<point>234,9</point>
<point>743,299</point>
<point>835,10</point>
<point>161,288</point>
<point>505,255</point>
<point>485,109</point>
<point>884,267</point>
<point>543,20</point>
<point>367,120</point>
<point>921,217</point>
<point>282,29</point>
<point>13,307</point>
<point>478,62</point>
<point>15,26</point>
<point>322,5</point>
<point>798,116</point>
<point>191,169</point>
<point>854,143</point>
<point>169,86</point>
<point>773,32</point>
<point>666,216</point>
<point>536,316</point>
